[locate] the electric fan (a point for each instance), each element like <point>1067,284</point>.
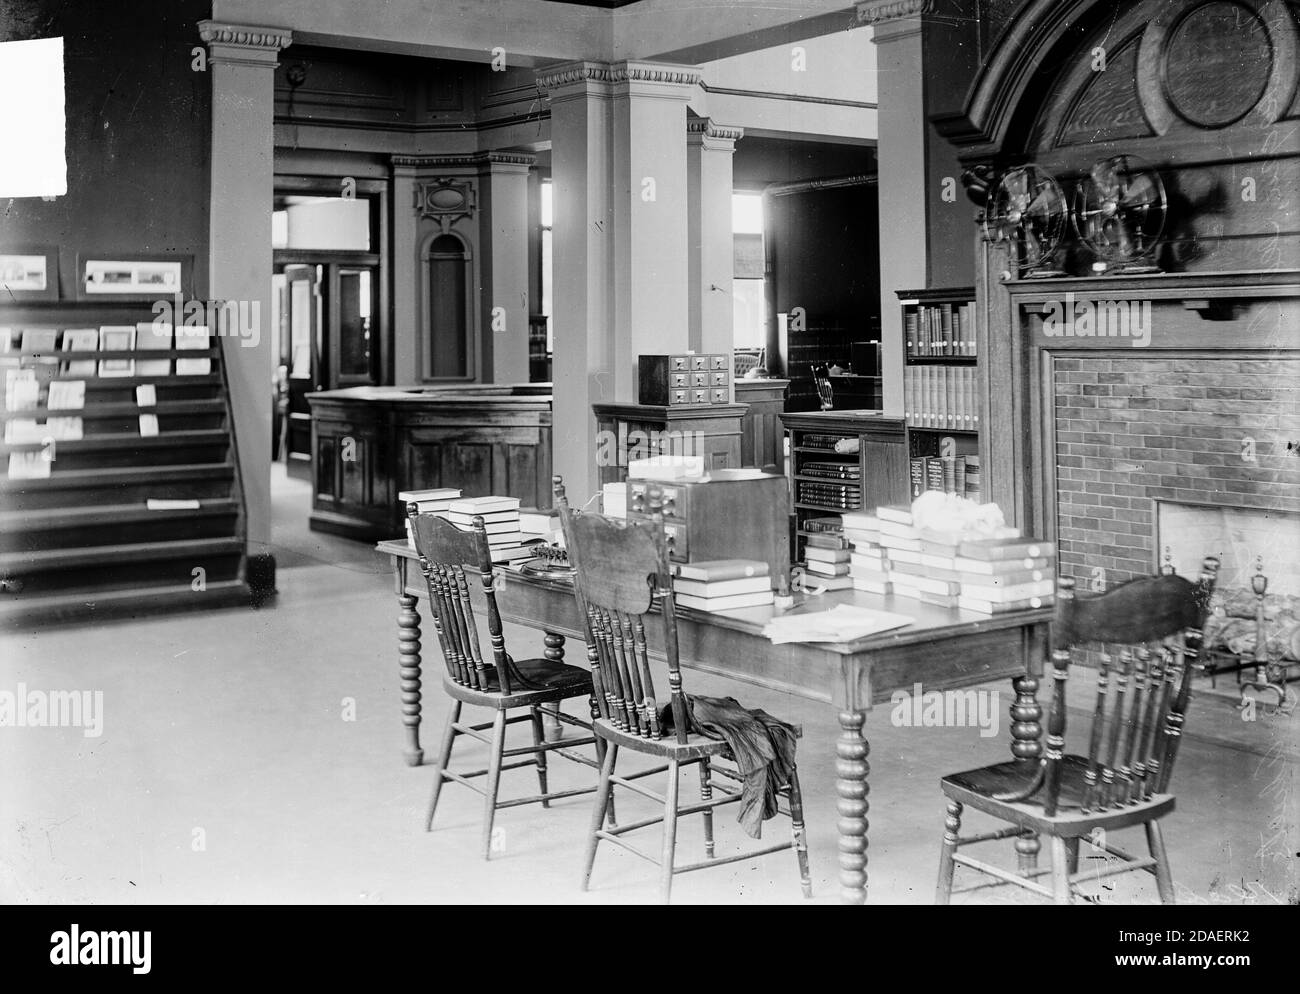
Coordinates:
<point>1028,209</point>
<point>1119,212</point>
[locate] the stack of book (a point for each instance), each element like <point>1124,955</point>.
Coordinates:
<point>826,560</point>
<point>501,521</point>
<point>436,502</point>
<point>1006,575</point>
<point>868,563</point>
<point>958,475</point>
<point>722,585</point>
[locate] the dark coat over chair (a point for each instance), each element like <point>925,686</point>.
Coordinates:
<point>622,574</point>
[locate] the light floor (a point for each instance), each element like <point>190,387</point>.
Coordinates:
<point>226,772</point>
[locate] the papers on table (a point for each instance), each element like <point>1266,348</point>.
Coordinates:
<point>842,623</point>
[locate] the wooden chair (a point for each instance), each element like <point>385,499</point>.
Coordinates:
<point>821,376</point>
<point>503,685</point>
<point>622,570</point>
<point>1148,632</point>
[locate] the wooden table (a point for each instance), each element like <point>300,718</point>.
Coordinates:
<point>944,648</point>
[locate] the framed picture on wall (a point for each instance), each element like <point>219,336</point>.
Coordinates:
<point>30,273</point>
<point>133,277</point>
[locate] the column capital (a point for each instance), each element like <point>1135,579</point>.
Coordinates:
<point>244,44</point>
<point>708,134</point>
<point>882,11</point>
<point>605,78</point>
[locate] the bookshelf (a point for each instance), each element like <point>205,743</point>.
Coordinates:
<point>843,461</point>
<point>78,537</point>
<point>940,390</point>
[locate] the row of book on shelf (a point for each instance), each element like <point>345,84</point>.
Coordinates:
<point>941,397</point>
<point>883,552</point>
<point>37,347</point>
<point>940,329</point>
<point>959,475</point>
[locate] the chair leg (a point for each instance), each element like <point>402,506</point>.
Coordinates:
<point>493,780</point>
<point>1060,872</point>
<point>604,800</point>
<point>444,757</point>
<point>601,748</point>
<point>706,794</point>
<point>1072,854</point>
<point>539,737</point>
<point>800,839</point>
<point>670,834</point>
<point>951,830</point>
<point>1156,845</point>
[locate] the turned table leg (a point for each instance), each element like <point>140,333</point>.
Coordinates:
<point>851,769</point>
<point>408,661</point>
<point>1026,746</point>
<point>554,651</point>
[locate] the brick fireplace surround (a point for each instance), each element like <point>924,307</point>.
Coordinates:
<point>1133,429</point>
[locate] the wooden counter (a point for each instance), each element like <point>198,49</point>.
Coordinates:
<point>371,443</point>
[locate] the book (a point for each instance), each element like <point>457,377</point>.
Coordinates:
<point>826,541</point>
<point>816,581</point>
<point>862,539</point>
<point>904,556</point>
<point>972,582</point>
<point>893,513</point>
<point>1019,592</point>
<point>31,464</point>
<point>80,340</point>
<point>898,542</point>
<point>484,505</point>
<point>996,566</point>
<point>153,336</point>
<point>66,395</point>
<point>826,569</point>
<point>192,337</point>
<point>116,338</point>
<point>916,468</point>
<point>933,473</point>
<point>721,569</point>
<point>146,395</point>
<point>722,588</point>
<point>871,585</point>
<point>22,390</point>
<point>996,549</point>
<point>514,553</point>
<point>814,554</point>
<point>492,528</point>
<point>988,607</point>
<point>420,496</point>
<point>512,537</point>
<point>169,504</point>
<point>148,425</point>
<point>860,521</point>
<point>934,586</point>
<point>756,599</point>
<point>40,340</point>
<point>63,429</point>
<point>490,518</point>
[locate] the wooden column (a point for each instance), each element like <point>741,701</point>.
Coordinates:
<point>710,247</point>
<point>241,67</point>
<point>504,185</point>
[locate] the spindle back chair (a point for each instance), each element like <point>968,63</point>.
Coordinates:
<point>622,575</point>
<point>1145,636</point>
<point>447,556</point>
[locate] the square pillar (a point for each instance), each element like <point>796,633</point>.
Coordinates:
<point>505,233</point>
<point>241,67</point>
<point>901,165</point>
<point>711,245</point>
<point>618,165</point>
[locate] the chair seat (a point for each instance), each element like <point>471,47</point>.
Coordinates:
<point>695,746</point>
<point>550,680</point>
<point>977,788</point>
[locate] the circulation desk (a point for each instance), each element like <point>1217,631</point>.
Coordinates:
<point>944,648</point>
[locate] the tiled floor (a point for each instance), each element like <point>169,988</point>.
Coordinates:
<point>228,770</point>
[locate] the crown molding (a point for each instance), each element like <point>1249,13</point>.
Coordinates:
<point>576,73</point>
<point>244,44</point>
<point>467,159</point>
<point>706,128</point>
<point>882,11</point>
